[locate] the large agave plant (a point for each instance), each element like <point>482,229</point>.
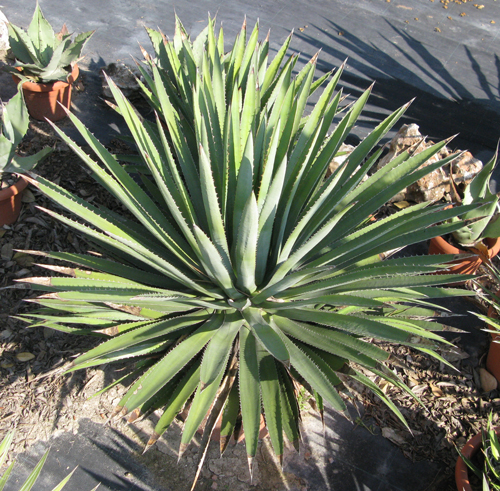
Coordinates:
<point>244,273</point>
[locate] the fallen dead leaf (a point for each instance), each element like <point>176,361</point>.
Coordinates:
<point>6,251</point>
<point>28,197</point>
<point>436,390</point>
<point>393,435</point>
<point>24,260</point>
<point>25,356</point>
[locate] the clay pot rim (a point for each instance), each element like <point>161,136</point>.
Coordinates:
<point>13,189</point>
<point>48,86</point>
<point>492,243</point>
<point>461,470</point>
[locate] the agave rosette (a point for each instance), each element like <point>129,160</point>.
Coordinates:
<point>41,54</point>
<point>244,271</point>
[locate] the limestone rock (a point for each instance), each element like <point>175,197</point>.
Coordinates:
<point>4,33</point>
<point>338,161</point>
<point>436,185</point>
<point>407,136</point>
<point>124,76</point>
<point>488,381</point>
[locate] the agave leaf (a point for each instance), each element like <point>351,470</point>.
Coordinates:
<point>216,267</point>
<point>244,70</point>
<point>237,54</point>
<point>106,266</point>
<point>161,373</point>
<point>290,408</point>
<point>202,402</point>
<point>22,46</point>
<point>249,381</point>
<point>250,109</point>
<point>5,476</point>
<point>229,418</point>
<point>5,445</point>
<point>318,158</point>
<point>266,223</point>
<point>336,343</point>
<point>183,391</point>
<point>127,190</point>
<point>214,216</point>
<point>132,248</point>
<point>311,372</point>
<point>24,164</point>
<point>359,377</point>
<point>328,364</point>
<point>246,246</point>
<point>290,262</point>
<point>15,119</point>
<point>244,185</point>
<point>72,53</point>
<point>63,483</point>
<point>271,400</point>
<point>54,70</point>
<point>218,349</point>
<point>272,69</point>
<point>145,331</point>
<point>358,326</point>
<point>31,479</point>
<point>267,336</point>
<point>181,148</point>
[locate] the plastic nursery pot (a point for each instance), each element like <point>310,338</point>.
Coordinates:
<point>42,99</point>
<point>467,265</point>
<point>10,201</point>
<point>461,470</point>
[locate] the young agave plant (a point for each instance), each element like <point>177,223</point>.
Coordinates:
<point>245,273</point>
<point>483,222</point>
<point>41,54</point>
<point>14,124</point>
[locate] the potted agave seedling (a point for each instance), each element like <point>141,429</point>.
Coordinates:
<point>487,442</point>
<point>481,231</point>
<point>240,273</point>
<point>14,125</point>
<point>46,63</point>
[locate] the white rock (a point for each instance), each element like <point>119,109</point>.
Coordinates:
<point>337,161</point>
<point>437,184</point>
<point>4,33</point>
<point>488,381</point>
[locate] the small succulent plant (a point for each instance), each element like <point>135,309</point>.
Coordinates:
<point>14,125</point>
<point>490,473</point>
<point>41,54</point>
<point>482,222</point>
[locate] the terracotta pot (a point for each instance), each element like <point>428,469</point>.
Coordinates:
<point>463,266</point>
<point>42,99</point>
<point>461,470</point>
<point>10,202</point>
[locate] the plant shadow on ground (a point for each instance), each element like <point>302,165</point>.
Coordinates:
<point>443,105</point>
